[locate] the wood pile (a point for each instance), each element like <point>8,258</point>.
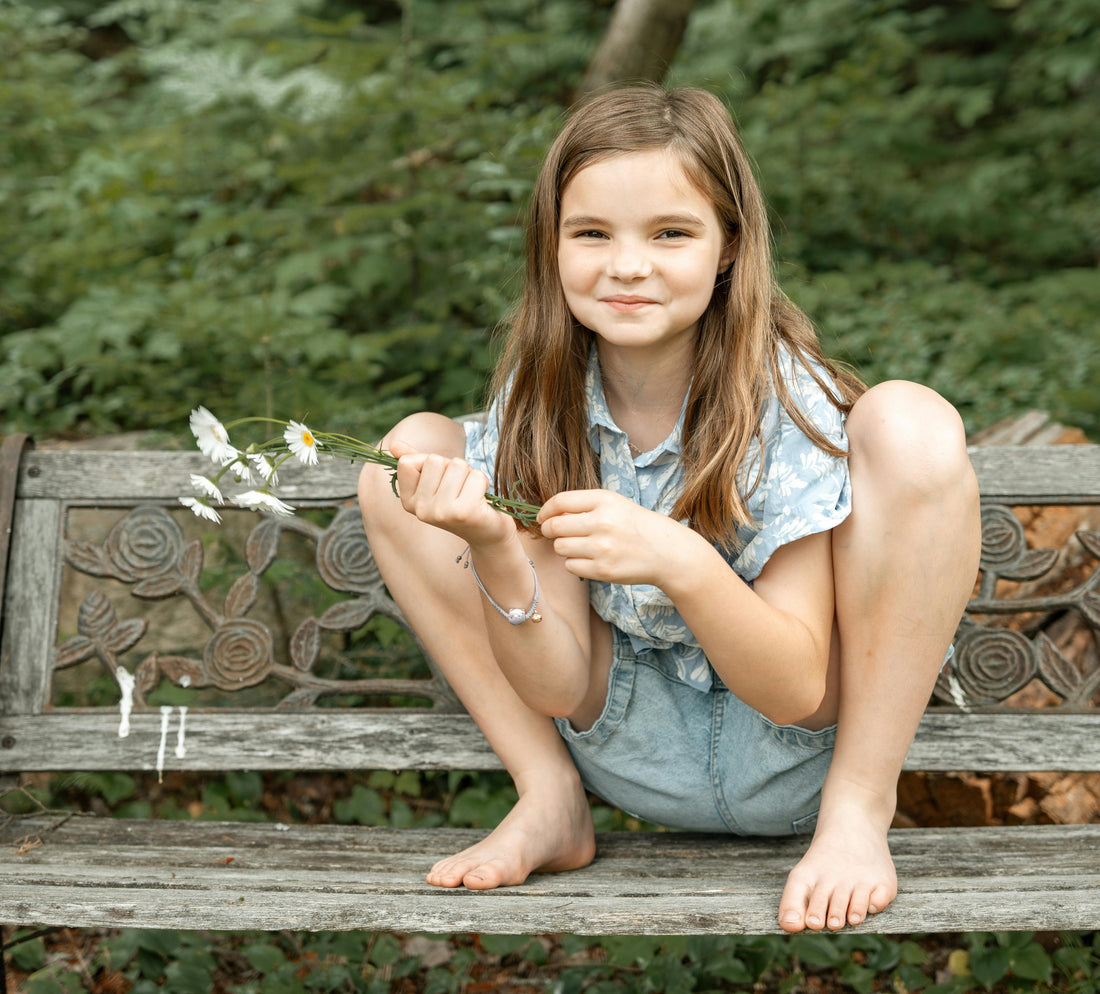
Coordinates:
<point>945,799</point>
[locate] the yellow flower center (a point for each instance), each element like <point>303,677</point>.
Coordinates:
<point>307,439</point>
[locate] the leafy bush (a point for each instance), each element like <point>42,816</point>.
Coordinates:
<point>312,205</point>
<point>265,203</point>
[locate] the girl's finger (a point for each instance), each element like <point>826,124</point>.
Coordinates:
<point>570,502</point>
<point>570,524</point>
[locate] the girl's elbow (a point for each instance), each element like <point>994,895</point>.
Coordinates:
<point>556,702</point>
<point>566,705</point>
<point>803,701</point>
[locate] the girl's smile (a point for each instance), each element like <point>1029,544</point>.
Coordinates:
<point>626,303</point>
<point>639,249</point>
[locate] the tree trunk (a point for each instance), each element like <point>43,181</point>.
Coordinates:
<point>639,44</point>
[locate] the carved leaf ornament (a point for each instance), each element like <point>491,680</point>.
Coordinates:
<point>992,663</point>
<point>148,551</point>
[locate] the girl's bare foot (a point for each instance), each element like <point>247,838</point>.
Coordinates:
<point>549,829</point>
<point>846,874</point>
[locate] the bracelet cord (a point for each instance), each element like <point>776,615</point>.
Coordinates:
<point>515,615</point>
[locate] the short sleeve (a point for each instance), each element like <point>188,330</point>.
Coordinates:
<point>483,437</point>
<point>802,490</point>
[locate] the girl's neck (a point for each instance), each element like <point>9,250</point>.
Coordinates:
<point>645,391</point>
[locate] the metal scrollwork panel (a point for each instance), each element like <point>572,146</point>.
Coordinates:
<point>148,552</point>
<point>1010,648</point>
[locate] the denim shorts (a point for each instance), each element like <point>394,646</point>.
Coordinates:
<point>699,760</point>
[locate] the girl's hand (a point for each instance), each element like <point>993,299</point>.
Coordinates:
<point>605,536</point>
<point>450,494</point>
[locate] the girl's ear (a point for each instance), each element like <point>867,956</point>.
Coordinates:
<point>729,254</point>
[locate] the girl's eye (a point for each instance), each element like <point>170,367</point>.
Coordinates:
<point>673,233</point>
<point>590,234</point>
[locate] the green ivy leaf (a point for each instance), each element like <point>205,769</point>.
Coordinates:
<point>989,964</point>
<point>363,807</point>
<point>263,957</point>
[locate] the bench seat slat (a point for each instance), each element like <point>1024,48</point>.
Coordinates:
<point>104,872</point>
<point>1040,474</point>
<point>349,740</point>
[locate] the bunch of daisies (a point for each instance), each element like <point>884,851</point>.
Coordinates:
<point>262,460</point>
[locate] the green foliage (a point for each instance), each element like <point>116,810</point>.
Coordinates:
<point>312,206</point>
<point>262,202</point>
<point>931,170</point>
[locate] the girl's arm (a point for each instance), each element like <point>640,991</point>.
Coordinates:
<point>547,662</point>
<point>769,643</point>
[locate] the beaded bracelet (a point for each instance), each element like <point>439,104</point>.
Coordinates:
<point>515,616</point>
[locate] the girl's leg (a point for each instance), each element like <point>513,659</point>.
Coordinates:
<point>550,827</point>
<point>904,562</point>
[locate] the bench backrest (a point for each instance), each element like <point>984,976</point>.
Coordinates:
<point>135,637</point>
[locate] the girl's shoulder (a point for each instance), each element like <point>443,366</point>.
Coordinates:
<point>807,390</point>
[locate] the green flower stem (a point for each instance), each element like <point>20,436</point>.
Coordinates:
<point>354,450</point>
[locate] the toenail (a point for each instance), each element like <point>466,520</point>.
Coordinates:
<point>792,917</point>
<point>813,920</point>
<point>834,923</point>
<point>872,909</point>
<point>855,919</point>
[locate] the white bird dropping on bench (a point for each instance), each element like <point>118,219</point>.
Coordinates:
<point>126,704</point>
<point>165,715</point>
<point>958,695</point>
<point>181,735</point>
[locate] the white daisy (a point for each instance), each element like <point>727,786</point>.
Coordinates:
<point>265,467</point>
<point>240,469</point>
<point>255,500</point>
<point>302,442</point>
<point>201,509</point>
<point>211,436</point>
<point>207,488</point>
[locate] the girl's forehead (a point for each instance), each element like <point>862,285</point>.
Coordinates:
<point>628,174</point>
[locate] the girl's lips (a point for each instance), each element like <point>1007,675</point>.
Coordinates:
<point>626,303</point>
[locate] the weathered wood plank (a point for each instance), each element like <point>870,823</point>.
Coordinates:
<point>11,453</point>
<point>349,740</point>
<point>85,476</point>
<point>1038,474</point>
<point>249,740</point>
<point>30,607</point>
<point>92,872</point>
<point>1031,474</point>
<point>1010,741</point>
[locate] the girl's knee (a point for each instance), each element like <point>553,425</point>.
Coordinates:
<point>424,431</point>
<point>428,432</point>
<point>912,436</point>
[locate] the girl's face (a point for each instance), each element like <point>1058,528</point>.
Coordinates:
<point>639,249</point>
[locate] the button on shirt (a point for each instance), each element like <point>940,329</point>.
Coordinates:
<point>802,491</point>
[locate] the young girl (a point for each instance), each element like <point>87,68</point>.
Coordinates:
<point>757,638</point>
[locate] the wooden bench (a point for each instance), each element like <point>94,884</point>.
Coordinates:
<point>104,566</point>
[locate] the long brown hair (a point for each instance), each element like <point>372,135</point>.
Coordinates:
<point>743,334</point>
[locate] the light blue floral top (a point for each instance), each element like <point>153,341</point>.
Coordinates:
<point>802,491</point>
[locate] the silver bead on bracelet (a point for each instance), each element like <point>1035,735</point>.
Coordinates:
<point>515,616</point>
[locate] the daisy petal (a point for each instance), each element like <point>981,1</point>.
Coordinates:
<point>207,488</point>
<point>240,469</point>
<point>201,509</point>
<point>255,500</point>
<point>265,467</point>
<point>211,436</point>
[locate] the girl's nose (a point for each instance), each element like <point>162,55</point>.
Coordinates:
<point>629,262</point>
